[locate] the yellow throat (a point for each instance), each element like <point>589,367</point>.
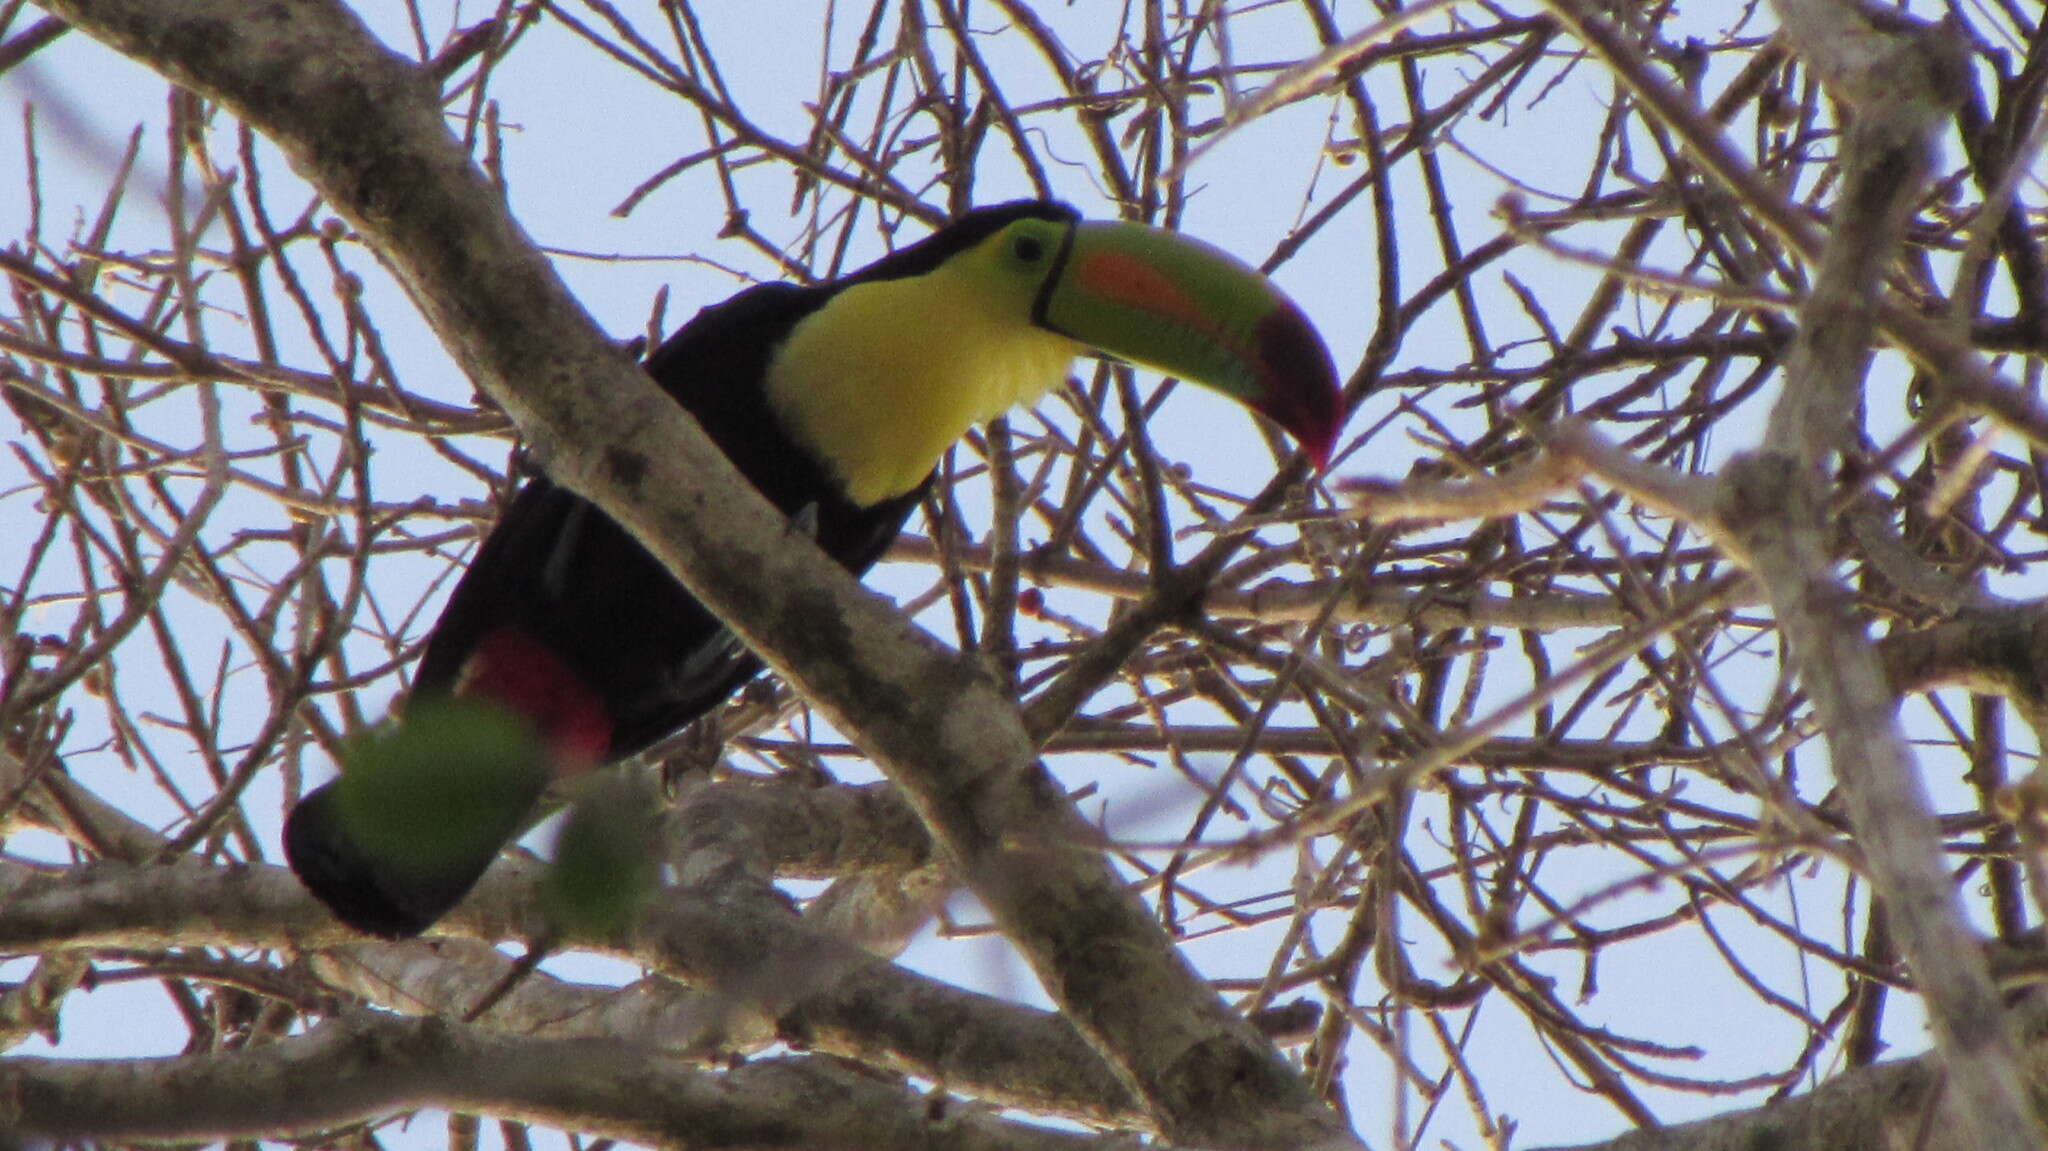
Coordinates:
<point>884,378</point>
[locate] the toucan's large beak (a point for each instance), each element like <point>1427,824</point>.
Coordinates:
<point>1175,304</point>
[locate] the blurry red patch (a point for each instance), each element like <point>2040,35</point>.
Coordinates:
<point>520,672</point>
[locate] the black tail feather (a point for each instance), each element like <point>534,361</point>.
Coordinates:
<point>365,893</point>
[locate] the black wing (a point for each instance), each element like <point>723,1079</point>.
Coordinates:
<point>564,574</point>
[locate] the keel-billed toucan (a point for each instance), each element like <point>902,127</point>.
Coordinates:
<point>836,401</point>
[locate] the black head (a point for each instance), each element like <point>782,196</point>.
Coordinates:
<point>957,237</point>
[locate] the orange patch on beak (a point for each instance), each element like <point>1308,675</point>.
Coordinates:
<point>1117,276</point>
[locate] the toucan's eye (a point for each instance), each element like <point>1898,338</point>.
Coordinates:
<point>1028,249</point>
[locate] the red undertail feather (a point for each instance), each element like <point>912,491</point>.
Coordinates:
<point>518,671</point>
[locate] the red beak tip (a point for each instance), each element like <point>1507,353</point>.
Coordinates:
<point>1301,391</point>
<point>1319,439</point>
<point>1315,448</point>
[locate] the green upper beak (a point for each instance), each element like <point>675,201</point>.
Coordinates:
<point>1183,307</point>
